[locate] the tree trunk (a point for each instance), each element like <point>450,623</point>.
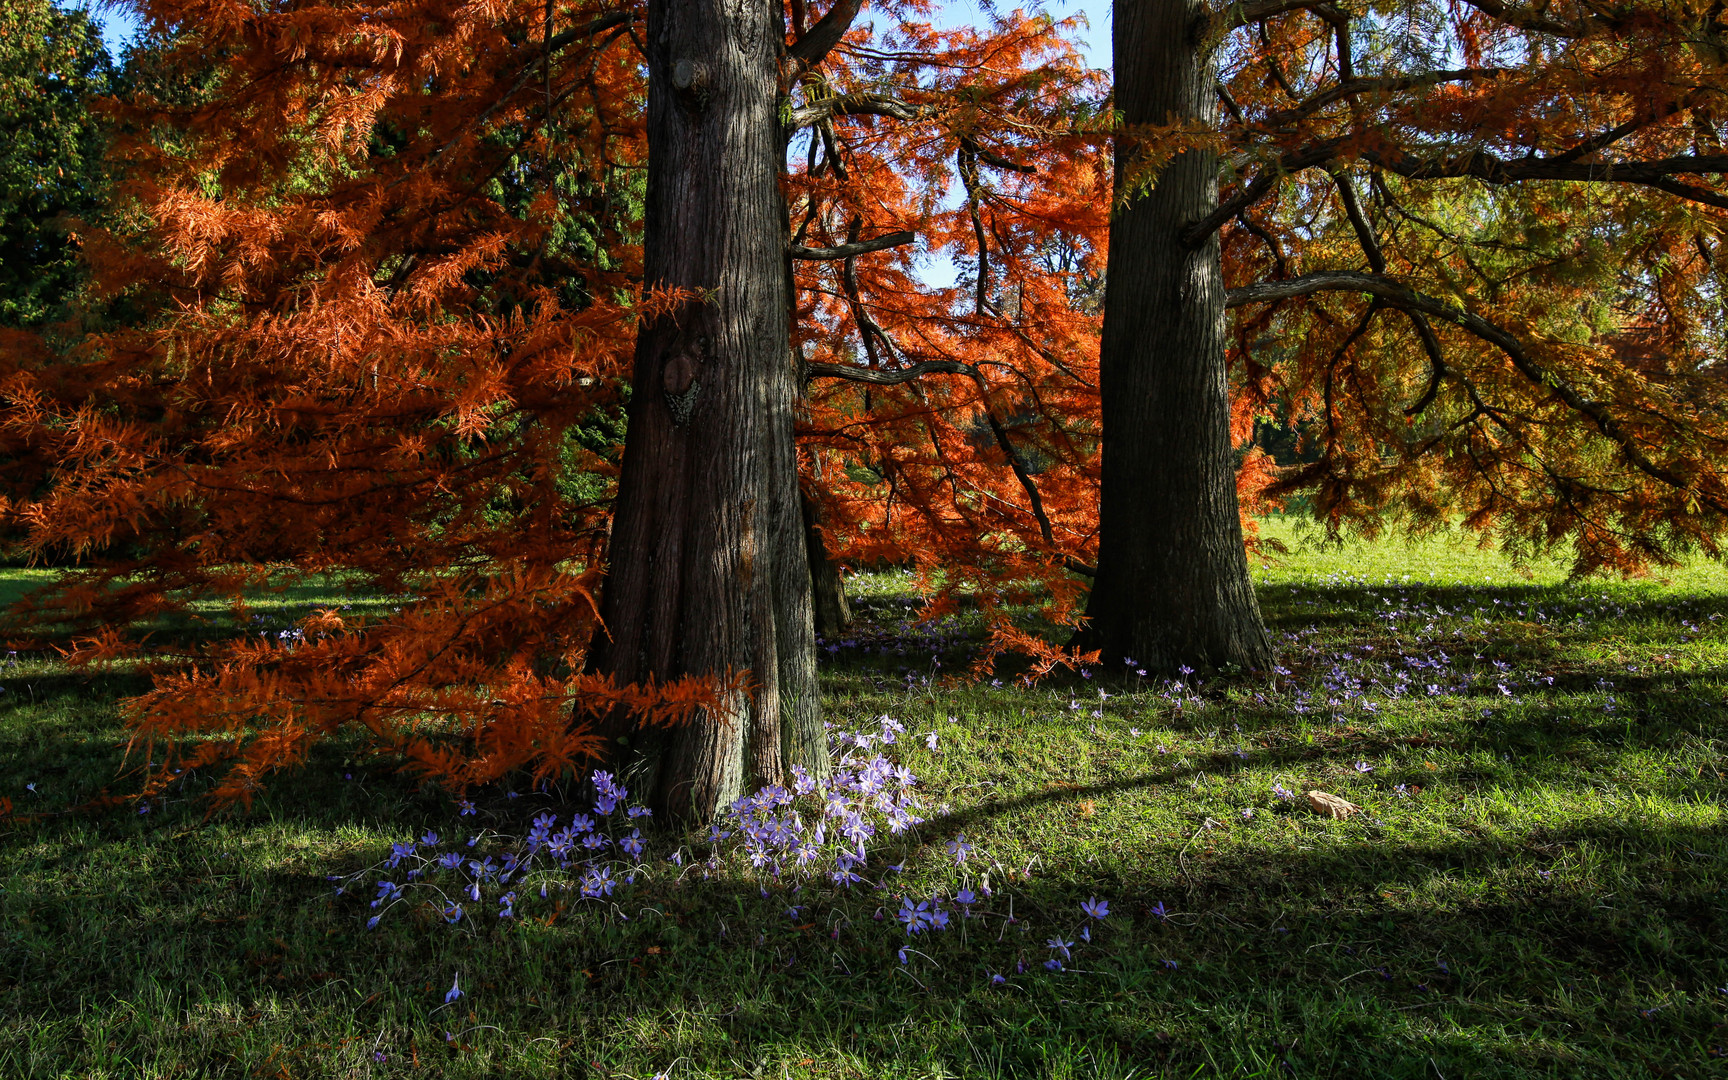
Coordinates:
<point>833,613</point>
<point>707,570</point>
<point>1172,587</point>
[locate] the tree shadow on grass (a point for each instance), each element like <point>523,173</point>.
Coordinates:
<point>1341,960</point>
<point>1318,956</point>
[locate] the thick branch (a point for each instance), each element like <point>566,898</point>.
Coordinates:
<point>853,373</point>
<point>1244,14</point>
<point>809,50</point>
<point>847,251</point>
<point>1526,19</point>
<point>862,104</point>
<point>992,158</point>
<point>1256,189</point>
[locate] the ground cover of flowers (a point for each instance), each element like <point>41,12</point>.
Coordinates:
<point>1079,879</point>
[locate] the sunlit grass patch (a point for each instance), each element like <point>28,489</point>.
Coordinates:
<point>1534,884</point>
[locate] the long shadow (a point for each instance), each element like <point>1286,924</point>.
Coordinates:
<point>1340,961</point>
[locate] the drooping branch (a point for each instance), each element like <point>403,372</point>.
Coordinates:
<point>1397,295</point>
<point>1659,173</point>
<point>1387,85</point>
<point>847,251</point>
<point>1000,433</point>
<point>967,166</point>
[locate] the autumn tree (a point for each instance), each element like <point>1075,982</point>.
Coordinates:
<point>395,256</point>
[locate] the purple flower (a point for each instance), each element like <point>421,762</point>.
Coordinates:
<point>1171,965</point>
<point>1363,767</point>
<point>917,919</point>
<point>1158,910</point>
<point>467,807</point>
<point>959,848</point>
<point>1056,943</point>
<point>597,883</point>
<point>430,839</point>
<point>998,980</point>
<point>455,990</point>
<point>1095,908</point>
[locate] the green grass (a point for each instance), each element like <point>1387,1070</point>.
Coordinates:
<point>1560,848</point>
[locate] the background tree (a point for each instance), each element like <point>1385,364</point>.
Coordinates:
<point>52,63</point>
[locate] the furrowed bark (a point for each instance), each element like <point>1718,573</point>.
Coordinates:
<point>708,572</point>
<point>1172,585</point>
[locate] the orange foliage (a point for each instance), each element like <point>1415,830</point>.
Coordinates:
<point>385,259</point>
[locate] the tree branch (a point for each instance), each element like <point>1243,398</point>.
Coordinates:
<point>861,104</point>
<point>1242,14</point>
<point>1407,299</point>
<point>1390,84</point>
<point>1659,173</point>
<point>847,251</point>
<point>809,50</point>
<point>874,377</point>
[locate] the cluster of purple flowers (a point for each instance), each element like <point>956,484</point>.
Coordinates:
<point>810,835</point>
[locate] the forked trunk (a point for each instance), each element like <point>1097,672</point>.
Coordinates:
<point>1172,587</point>
<point>708,572</point>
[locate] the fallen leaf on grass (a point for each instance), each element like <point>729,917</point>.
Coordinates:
<point>1331,805</point>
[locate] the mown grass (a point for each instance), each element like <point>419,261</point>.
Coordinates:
<point>1546,895</point>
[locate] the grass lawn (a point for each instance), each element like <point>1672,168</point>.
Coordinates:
<point>1537,883</point>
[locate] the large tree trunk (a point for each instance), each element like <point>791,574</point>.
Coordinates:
<point>1172,586</point>
<point>708,573</point>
